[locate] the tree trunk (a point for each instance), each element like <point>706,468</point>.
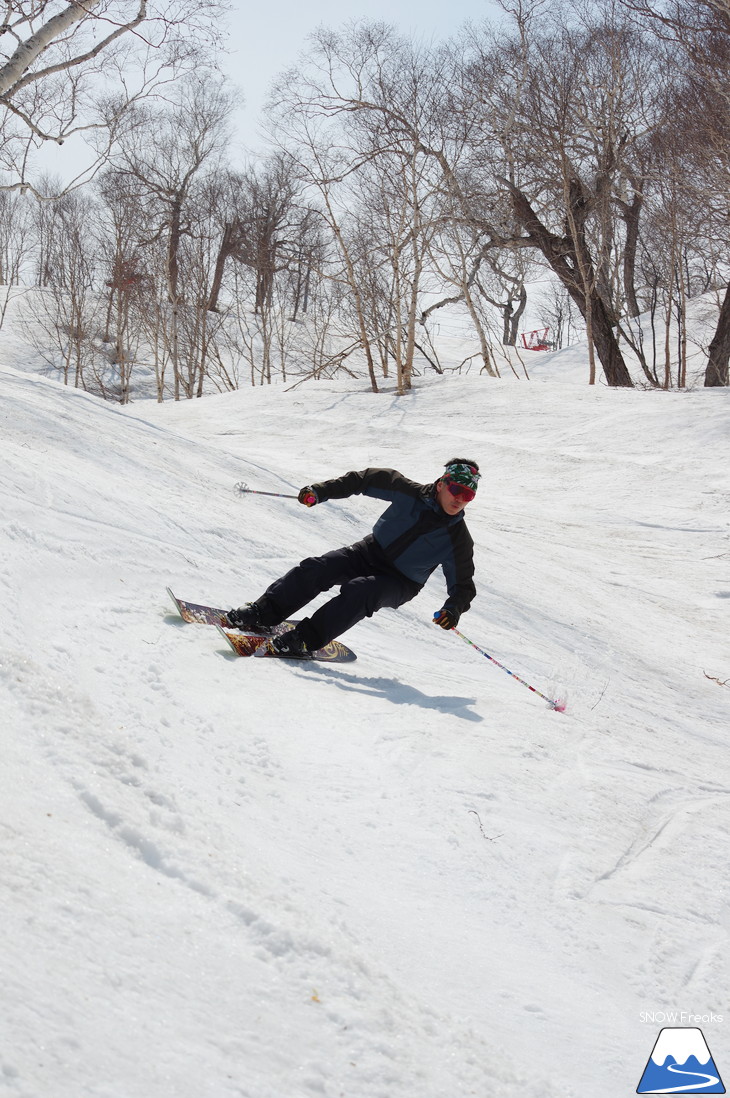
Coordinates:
<point>28,52</point>
<point>307,284</point>
<point>481,334</point>
<point>718,360</point>
<point>631,219</point>
<point>411,327</point>
<point>173,277</point>
<point>561,254</point>
<point>515,318</point>
<point>227,243</point>
<point>173,248</point>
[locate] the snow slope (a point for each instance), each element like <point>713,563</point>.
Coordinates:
<point>402,877</point>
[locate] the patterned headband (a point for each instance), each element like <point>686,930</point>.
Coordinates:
<point>460,473</point>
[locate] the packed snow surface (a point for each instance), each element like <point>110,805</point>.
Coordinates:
<point>402,878</point>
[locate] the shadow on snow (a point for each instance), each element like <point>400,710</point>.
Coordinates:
<point>394,691</point>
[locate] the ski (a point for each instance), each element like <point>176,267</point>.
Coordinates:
<point>246,644</point>
<point>213,615</point>
<point>196,612</point>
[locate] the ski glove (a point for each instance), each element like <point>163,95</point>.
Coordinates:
<point>308,496</point>
<point>447,619</point>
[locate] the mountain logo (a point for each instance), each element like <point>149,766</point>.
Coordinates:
<point>680,1063</point>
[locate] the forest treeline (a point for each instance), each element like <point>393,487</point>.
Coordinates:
<point>587,141</point>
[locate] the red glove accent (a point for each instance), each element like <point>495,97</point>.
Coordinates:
<point>308,497</point>
<point>447,619</point>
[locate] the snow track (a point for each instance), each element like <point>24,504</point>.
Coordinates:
<point>404,877</point>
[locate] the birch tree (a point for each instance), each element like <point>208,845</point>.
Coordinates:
<point>160,162</point>
<point>367,105</point>
<point>697,33</point>
<point>71,69</point>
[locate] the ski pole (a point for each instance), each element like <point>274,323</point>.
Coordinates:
<point>557,704</point>
<point>245,490</point>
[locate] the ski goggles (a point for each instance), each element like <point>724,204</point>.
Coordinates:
<point>459,491</point>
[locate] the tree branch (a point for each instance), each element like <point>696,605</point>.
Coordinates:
<point>9,86</point>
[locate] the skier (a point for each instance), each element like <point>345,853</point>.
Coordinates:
<point>422,528</point>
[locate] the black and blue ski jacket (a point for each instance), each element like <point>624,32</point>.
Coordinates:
<point>414,533</point>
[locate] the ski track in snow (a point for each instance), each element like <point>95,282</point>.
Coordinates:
<point>403,877</point>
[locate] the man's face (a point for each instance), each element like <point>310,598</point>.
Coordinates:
<point>448,503</point>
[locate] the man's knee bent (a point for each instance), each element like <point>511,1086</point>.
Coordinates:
<point>374,593</point>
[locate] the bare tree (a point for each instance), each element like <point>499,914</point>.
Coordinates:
<point>502,282</point>
<point>325,161</point>
<point>396,193</point>
<point>16,246</point>
<point>73,69</point>
<point>64,319</point>
<point>126,282</point>
<point>159,163</point>
<point>564,107</point>
<point>559,311</point>
<point>266,227</point>
<point>365,105</point>
<point>457,254</point>
<point>697,33</point>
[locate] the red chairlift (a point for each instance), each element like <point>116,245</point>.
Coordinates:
<point>537,340</point>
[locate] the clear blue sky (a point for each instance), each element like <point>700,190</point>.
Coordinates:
<point>266,37</point>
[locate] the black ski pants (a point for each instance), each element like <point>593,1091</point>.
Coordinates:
<point>367,583</point>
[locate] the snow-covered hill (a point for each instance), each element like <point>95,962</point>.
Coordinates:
<point>402,877</point>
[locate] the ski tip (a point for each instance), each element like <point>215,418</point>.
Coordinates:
<point>227,639</point>
<point>174,600</point>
